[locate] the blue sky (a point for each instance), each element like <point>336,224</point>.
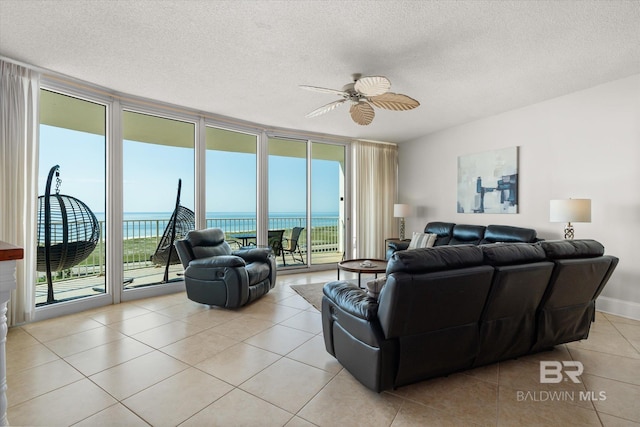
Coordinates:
<point>151,174</point>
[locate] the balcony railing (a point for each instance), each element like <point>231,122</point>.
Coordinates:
<point>141,238</point>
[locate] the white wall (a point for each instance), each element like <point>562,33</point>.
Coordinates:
<point>582,145</point>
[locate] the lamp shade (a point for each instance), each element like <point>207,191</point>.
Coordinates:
<point>570,210</point>
<point>401,210</point>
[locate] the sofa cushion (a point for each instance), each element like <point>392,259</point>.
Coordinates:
<point>207,237</point>
<point>211,251</point>
<point>467,234</point>
<point>497,254</point>
<point>422,240</point>
<point>375,286</point>
<point>444,230</point>
<point>505,233</point>
<point>435,259</point>
<point>567,249</point>
<point>207,243</point>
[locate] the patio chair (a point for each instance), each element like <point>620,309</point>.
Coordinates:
<point>275,242</point>
<point>291,246</point>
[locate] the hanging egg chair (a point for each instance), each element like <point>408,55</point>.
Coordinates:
<point>67,231</point>
<point>182,221</point>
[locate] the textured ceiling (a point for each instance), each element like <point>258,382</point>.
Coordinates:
<point>462,60</point>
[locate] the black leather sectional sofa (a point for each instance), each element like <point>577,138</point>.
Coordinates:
<point>450,233</point>
<point>451,308</point>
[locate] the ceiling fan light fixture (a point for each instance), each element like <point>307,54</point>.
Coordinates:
<point>363,93</point>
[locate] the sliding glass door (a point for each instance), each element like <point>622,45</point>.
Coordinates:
<point>230,182</point>
<point>288,200</point>
<point>71,219</point>
<point>307,201</point>
<point>158,196</point>
<point>327,203</point>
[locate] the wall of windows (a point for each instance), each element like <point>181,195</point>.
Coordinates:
<point>126,160</point>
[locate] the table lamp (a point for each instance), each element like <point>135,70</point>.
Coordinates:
<point>570,210</point>
<point>401,211</point>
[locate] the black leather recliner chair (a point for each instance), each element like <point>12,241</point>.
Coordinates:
<point>216,275</point>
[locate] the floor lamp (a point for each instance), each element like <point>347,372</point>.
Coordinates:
<point>570,210</point>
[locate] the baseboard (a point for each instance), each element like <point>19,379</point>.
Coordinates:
<point>618,307</point>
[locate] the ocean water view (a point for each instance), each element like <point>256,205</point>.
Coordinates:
<point>153,224</point>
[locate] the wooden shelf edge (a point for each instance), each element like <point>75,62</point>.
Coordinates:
<point>10,252</point>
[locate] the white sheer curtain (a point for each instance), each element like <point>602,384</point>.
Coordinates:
<point>375,190</point>
<point>19,95</point>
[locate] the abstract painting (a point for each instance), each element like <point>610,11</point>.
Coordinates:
<point>488,182</point>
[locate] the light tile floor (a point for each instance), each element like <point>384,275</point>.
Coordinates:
<point>167,361</point>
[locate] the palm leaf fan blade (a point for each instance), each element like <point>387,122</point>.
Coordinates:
<point>372,86</point>
<point>362,113</point>
<point>326,108</point>
<point>394,101</point>
<point>322,90</point>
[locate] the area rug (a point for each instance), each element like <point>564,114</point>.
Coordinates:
<point>312,293</point>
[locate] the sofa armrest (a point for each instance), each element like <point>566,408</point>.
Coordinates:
<point>261,255</point>
<point>352,334</point>
<point>399,245</point>
<point>218,261</point>
<point>352,299</point>
<point>254,254</point>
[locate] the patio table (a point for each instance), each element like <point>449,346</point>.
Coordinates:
<point>244,237</point>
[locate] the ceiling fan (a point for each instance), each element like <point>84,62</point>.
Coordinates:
<point>363,93</point>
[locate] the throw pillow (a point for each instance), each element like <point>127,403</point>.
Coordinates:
<point>422,240</point>
<point>375,286</point>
